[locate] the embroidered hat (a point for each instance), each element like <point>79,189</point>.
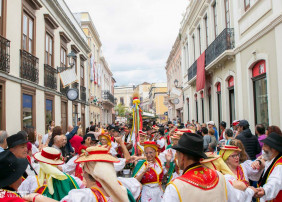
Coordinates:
<point>12,168</point>
<point>151,144</point>
<point>227,150</point>
<point>192,144</point>
<point>50,156</point>
<point>274,140</point>
<point>107,136</point>
<point>97,153</point>
<point>235,123</point>
<point>142,133</point>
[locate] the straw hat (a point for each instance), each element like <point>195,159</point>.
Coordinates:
<point>211,157</point>
<point>227,150</point>
<point>151,144</point>
<point>155,127</point>
<point>142,133</point>
<point>50,156</point>
<point>176,136</point>
<point>97,153</point>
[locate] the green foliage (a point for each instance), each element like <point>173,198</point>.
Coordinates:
<point>122,110</point>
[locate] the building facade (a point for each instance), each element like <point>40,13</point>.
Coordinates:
<point>123,95</point>
<point>31,91</point>
<point>174,99</point>
<point>94,76</point>
<point>157,94</point>
<point>230,60</point>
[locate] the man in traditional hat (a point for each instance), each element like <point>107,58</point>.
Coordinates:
<point>17,144</point>
<point>270,183</point>
<point>12,169</point>
<point>198,183</point>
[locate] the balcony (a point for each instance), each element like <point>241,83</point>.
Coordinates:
<point>4,55</point>
<point>75,85</point>
<point>223,42</point>
<point>50,77</point>
<point>108,97</point>
<point>192,71</point>
<point>83,93</point>
<point>29,66</point>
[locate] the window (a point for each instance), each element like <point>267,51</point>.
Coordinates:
<point>28,108</point>
<point>81,72</point>
<point>193,38</point>
<point>2,16</point>
<point>247,4</point>
<point>231,99</point>
<point>121,101</point>
<point>219,105</point>
<point>260,93</point>
<point>207,30</point>
<point>48,49</point>
<point>215,19</point>
<point>2,105</point>
<point>188,109</point>
<point>74,114</point>
<point>49,114</point>
<point>203,107</point>
<point>227,13</point>
<point>27,35</point>
<point>199,32</point>
<point>196,102</point>
<point>63,57</point>
<point>210,104</point>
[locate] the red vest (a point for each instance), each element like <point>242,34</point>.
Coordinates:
<point>151,176</point>
<point>9,196</point>
<point>200,177</point>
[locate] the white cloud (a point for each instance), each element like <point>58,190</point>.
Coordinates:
<point>137,35</point>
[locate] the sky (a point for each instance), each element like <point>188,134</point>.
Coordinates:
<point>136,35</point>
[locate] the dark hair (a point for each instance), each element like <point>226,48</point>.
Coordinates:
<point>275,129</point>
<point>57,130</point>
<point>193,158</point>
<point>30,134</point>
<point>50,122</point>
<point>260,128</point>
<point>91,122</point>
<point>92,128</point>
<point>223,124</point>
<point>229,132</point>
<point>205,130</point>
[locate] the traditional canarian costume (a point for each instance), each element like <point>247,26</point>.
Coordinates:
<point>98,163</point>
<point>215,162</point>
<point>152,179</point>
<point>198,183</point>
<point>50,182</point>
<point>271,180</point>
<point>244,170</point>
<point>12,169</point>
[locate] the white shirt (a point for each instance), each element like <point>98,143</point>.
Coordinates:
<point>273,184</point>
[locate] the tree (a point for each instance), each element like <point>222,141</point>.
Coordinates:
<point>121,109</point>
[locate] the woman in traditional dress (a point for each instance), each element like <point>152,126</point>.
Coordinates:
<point>242,172</point>
<point>150,173</point>
<point>101,180</point>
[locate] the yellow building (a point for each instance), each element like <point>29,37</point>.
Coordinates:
<point>157,93</point>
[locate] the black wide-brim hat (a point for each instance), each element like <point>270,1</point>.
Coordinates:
<point>11,168</point>
<point>274,140</point>
<point>15,140</point>
<point>93,138</point>
<point>191,144</point>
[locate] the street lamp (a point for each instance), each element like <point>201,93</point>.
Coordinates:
<point>72,57</point>
<point>176,84</point>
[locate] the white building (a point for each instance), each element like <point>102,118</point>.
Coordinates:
<point>236,45</point>
<point>36,37</point>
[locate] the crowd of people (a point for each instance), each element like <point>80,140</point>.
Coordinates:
<point>160,162</point>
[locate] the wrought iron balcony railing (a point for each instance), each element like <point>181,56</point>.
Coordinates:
<point>75,85</point>
<point>4,54</point>
<point>83,93</point>
<point>224,41</point>
<point>29,66</point>
<point>108,96</point>
<point>192,71</point>
<point>63,90</point>
<point>50,77</point>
